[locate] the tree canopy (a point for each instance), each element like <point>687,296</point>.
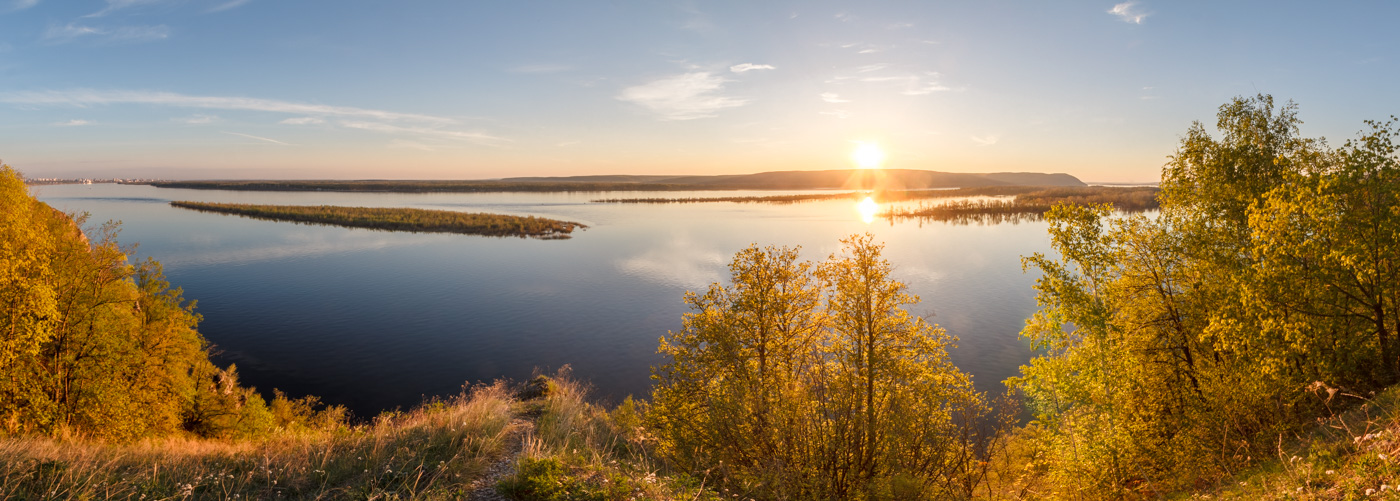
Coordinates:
<point>1178,348</point>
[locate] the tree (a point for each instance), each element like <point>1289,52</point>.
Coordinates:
<point>95,346</point>
<point>1176,349</point>
<point>814,382</point>
<point>733,392</point>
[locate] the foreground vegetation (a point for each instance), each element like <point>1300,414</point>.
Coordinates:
<point>399,219</point>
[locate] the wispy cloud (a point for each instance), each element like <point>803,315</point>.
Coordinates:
<point>986,140</point>
<point>199,119</point>
<point>23,4</point>
<point>473,136</point>
<point>683,97</point>
<point>260,138</point>
<point>913,85</point>
<point>83,98</point>
<point>832,97</point>
<point>740,68</point>
<point>115,5</point>
<point>75,122</point>
<point>302,121</point>
<point>71,32</point>
<point>1128,12</point>
<point>232,4</point>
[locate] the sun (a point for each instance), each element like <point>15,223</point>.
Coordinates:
<point>868,156</point>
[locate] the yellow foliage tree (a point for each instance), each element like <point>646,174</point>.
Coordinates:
<point>98,347</point>
<point>804,381</point>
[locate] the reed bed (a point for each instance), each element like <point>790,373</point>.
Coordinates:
<point>1126,198</point>
<point>398,219</point>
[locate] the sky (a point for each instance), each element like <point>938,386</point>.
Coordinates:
<point>425,89</point>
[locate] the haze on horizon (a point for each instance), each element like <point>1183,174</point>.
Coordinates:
<point>1102,90</point>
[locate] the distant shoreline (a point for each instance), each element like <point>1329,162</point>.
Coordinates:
<point>882,179</point>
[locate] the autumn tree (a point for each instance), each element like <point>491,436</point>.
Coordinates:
<point>93,345</point>
<point>735,391</point>
<point>813,382</point>
<point>1177,348</point>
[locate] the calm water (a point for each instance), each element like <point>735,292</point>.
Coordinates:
<point>376,320</point>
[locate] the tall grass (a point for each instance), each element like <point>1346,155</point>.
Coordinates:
<point>581,451</point>
<point>435,451</point>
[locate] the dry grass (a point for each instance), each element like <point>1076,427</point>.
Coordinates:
<point>581,451</point>
<point>433,452</point>
<point>1349,455</point>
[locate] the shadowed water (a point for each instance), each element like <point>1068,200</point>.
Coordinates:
<point>376,320</point>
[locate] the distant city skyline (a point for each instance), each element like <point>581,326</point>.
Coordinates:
<point>1102,90</point>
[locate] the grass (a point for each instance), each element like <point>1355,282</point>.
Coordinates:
<point>433,452</point>
<point>555,444</point>
<point>398,219</point>
<point>581,451</point>
<point>1351,454</point>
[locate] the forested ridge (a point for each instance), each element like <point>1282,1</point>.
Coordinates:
<point>1241,342</point>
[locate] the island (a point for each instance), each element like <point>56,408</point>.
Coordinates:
<point>399,219</point>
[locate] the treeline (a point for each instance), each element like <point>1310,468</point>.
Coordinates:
<point>1026,199</point>
<point>782,180</point>
<point>399,219</point>
<point>92,346</point>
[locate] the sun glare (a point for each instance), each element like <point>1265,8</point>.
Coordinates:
<point>867,209</point>
<point>868,156</point>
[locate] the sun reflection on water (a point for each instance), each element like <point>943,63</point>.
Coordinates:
<point>867,209</point>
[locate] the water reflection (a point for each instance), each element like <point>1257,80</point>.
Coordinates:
<point>680,262</point>
<point>868,209</point>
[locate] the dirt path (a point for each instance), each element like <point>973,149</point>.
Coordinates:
<point>484,488</point>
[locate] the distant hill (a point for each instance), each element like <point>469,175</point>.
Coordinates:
<point>895,179</point>
<point>883,179</point>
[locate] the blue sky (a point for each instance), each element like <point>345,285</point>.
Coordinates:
<point>467,90</point>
